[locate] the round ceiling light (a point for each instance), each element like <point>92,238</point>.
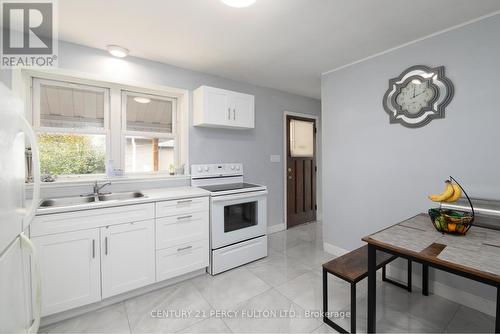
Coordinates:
<point>142,100</point>
<point>239,3</point>
<point>117,51</point>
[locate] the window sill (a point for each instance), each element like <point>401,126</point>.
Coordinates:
<point>87,179</point>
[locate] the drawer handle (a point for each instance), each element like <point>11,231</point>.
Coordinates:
<point>184,248</point>
<point>93,248</point>
<point>185,201</point>
<point>106,246</point>
<point>185,217</point>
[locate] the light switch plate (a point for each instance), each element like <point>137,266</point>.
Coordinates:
<point>275,158</point>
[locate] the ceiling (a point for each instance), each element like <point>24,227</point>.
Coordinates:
<point>283,44</point>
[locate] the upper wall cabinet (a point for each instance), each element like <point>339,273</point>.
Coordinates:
<point>214,107</point>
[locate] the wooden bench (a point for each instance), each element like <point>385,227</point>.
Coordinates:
<point>352,268</point>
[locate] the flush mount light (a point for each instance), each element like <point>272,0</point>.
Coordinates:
<point>239,3</point>
<point>117,51</point>
<point>142,100</point>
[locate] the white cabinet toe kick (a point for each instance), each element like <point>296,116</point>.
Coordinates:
<point>89,256</point>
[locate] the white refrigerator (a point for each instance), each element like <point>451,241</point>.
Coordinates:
<point>19,273</point>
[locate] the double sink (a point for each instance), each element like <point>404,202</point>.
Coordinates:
<point>82,200</point>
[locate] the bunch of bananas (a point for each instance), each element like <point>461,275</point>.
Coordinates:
<point>451,193</point>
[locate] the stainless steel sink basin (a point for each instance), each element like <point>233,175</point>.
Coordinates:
<point>67,201</point>
<point>81,200</point>
<point>120,196</point>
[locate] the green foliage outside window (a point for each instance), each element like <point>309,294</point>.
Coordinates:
<point>72,154</point>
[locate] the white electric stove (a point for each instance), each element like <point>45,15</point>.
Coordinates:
<point>238,215</point>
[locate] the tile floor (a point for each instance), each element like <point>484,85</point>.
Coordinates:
<point>275,294</point>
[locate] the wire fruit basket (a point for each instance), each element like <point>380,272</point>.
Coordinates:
<point>453,221</point>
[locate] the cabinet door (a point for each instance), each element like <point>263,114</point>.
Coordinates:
<point>70,267</point>
<point>128,257</point>
<point>242,110</point>
<point>217,109</point>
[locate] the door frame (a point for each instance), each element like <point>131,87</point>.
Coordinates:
<point>285,161</point>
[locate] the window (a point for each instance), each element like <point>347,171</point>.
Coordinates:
<point>150,132</point>
<point>71,123</point>
<point>84,128</point>
<point>301,138</point>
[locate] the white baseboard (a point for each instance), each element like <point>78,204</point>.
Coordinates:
<point>276,228</point>
<point>334,250</point>
<point>458,296</point>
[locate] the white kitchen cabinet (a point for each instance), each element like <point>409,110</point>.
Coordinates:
<point>128,257</point>
<point>171,231</point>
<point>214,107</point>
<point>181,259</point>
<point>70,267</point>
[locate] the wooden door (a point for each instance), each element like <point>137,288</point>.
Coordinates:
<point>301,171</point>
<point>128,257</point>
<point>70,266</point>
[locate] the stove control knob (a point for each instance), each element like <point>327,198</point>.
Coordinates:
<point>199,169</point>
<point>232,167</point>
<point>206,168</point>
<point>238,167</point>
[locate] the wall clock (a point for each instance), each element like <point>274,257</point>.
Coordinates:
<point>419,95</point>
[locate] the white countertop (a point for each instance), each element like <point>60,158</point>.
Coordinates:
<point>151,195</point>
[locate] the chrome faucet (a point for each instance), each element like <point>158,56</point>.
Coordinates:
<point>98,188</point>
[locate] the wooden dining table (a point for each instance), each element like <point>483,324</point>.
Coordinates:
<point>475,256</point>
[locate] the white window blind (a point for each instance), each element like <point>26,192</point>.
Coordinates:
<point>64,106</point>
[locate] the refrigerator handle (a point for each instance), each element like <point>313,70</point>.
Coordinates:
<point>30,213</point>
<point>37,280</point>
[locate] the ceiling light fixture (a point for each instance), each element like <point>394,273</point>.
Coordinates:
<point>239,3</point>
<point>117,51</point>
<point>142,100</point>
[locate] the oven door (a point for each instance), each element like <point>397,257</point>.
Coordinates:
<point>238,217</point>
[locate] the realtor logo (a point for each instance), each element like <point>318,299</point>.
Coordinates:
<point>28,34</point>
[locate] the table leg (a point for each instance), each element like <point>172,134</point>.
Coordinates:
<point>353,307</point>
<point>409,275</point>
<point>425,280</point>
<point>497,320</point>
<point>372,286</point>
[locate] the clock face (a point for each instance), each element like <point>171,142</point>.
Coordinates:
<point>415,96</point>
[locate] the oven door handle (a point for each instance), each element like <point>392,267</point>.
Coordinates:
<point>252,194</point>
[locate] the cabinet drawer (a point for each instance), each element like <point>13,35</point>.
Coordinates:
<point>181,206</point>
<point>238,254</point>
<point>79,220</point>
<point>182,259</point>
<point>175,230</point>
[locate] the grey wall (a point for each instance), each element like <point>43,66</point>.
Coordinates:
<point>251,147</point>
<point>377,174</point>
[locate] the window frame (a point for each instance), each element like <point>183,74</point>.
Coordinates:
<point>36,117</point>
<point>146,134</point>
<point>24,81</point>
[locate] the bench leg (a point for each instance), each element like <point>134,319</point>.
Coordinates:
<point>327,320</point>
<point>325,294</point>
<point>353,307</point>
<point>425,280</point>
<point>396,283</point>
